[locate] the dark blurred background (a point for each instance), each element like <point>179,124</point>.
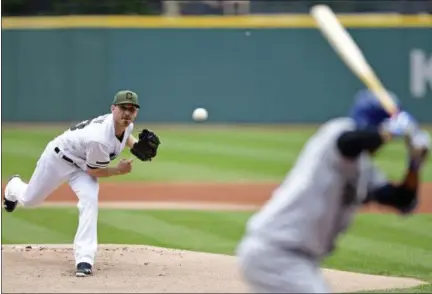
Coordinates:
<point>200,7</point>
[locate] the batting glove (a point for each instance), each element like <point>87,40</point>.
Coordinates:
<point>400,125</point>
<point>421,140</point>
<point>419,146</point>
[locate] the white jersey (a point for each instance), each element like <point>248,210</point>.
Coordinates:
<point>92,143</point>
<point>318,197</point>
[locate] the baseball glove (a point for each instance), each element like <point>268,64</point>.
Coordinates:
<point>146,147</point>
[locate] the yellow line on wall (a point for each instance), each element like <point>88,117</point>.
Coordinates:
<point>255,21</point>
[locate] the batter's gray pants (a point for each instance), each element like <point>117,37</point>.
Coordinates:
<point>268,269</point>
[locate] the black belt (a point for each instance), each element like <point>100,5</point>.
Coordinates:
<point>64,157</point>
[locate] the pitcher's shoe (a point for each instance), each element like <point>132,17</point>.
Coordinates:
<point>10,196</point>
<point>84,269</point>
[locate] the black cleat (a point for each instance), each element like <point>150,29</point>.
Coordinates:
<point>84,269</point>
<point>9,205</point>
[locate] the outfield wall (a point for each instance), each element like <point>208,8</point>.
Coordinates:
<point>263,70</point>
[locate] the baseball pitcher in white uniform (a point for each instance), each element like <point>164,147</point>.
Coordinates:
<point>286,240</point>
<point>79,157</point>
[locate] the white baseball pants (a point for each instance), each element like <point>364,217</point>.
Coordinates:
<point>51,171</point>
<point>268,269</point>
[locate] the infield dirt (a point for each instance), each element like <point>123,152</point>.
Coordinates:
<point>246,195</point>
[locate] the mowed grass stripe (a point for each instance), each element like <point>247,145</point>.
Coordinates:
<point>411,229</point>
<point>385,244</point>
<point>249,139</point>
<point>109,234</point>
<point>59,220</point>
<point>57,225</point>
<point>18,230</point>
<point>392,238</point>
<point>387,250</point>
<point>221,155</point>
<point>220,223</point>
<point>172,170</point>
<point>171,234</point>
<point>41,136</point>
<point>254,138</point>
<point>172,165</point>
<point>355,259</point>
<point>176,172</point>
<point>426,288</point>
<point>229,163</point>
<point>231,133</point>
<point>20,153</point>
<point>251,151</point>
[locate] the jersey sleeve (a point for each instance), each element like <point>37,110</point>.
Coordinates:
<point>97,155</point>
<point>376,178</point>
<point>352,143</point>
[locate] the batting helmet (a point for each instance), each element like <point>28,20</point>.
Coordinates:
<point>367,111</point>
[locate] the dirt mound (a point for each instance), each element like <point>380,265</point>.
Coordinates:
<point>145,269</point>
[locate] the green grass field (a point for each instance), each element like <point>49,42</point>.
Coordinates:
<point>377,244</point>
<point>201,154</point>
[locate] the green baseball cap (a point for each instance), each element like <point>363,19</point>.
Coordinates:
<point>126,97</point>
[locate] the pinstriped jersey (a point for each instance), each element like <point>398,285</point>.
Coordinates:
<point>319,196</point>
<point>92,143</point>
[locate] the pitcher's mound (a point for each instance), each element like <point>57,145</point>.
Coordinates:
<point>133,269</point>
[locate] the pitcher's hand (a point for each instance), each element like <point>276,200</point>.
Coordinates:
<point>125,166</point>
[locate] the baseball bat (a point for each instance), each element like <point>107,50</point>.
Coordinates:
<point>350,53</point>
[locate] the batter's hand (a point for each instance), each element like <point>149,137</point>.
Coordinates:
<point>418,145</point>
<point>421,140</point>
<point>125,166</point>
<point>401,124</point>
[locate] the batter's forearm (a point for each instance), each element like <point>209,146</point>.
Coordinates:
<point>411,180</point>
<point>402,196</point>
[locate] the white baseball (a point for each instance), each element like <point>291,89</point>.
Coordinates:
<point>199,114</point>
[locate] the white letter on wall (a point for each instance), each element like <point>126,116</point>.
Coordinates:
<point>421,73</point>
